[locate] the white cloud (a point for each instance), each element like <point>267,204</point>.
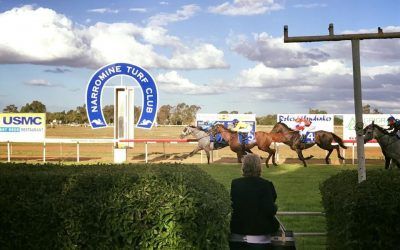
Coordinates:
<point>172,82</point>
<point>164,3</point>
<point>328,86</point>
<point>274,53</point>
<point>39,83</point>
<point>163,19</point>
<point>142,10</point>
<point>310,5</point>
<point>246,7</point>
<point>104,10</point>
<point>55,40</point>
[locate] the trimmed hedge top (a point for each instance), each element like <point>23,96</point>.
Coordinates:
<point>170,206</point>
<point>365,215</point>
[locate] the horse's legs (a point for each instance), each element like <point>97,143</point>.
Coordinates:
<point>239,156</point>
<point>271,153</point>
<point>197,149</point>
<point>208,156</point>
<point>338,153</point>
<point>327,160</point>
<point>301,157</point>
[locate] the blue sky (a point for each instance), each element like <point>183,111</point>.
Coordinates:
<point>220,55</point>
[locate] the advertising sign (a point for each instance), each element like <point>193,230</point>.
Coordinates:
<point>318,121</point>
<point>349,122</point>
<point>142,77</point>
<point>22,127</point>
<point>226,119</point>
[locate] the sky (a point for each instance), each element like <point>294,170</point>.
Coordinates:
<point>219,55</point>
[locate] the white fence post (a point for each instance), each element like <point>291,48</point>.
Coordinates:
<point>8,152</point>
<point>77,151</point>
<point>44,152</point>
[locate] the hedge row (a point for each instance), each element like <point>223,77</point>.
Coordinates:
<point>111,207</point>
<point>365,215</point>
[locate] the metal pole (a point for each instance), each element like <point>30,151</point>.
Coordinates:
<point>352,152</point>
<point>355,46</point>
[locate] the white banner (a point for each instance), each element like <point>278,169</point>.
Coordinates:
<point>318,121</point>
<point>22,127</point>
<point>349,122</point>
<point>226,119</point>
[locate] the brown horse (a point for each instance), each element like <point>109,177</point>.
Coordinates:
<point>323,139</point>
<point>262,139</point>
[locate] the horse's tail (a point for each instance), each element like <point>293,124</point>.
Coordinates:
<point>338,140</point>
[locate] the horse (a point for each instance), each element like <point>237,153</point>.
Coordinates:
<point>323,139</point>
<point>262,139</point>
<point>389,143</point>
<point>203,141</point>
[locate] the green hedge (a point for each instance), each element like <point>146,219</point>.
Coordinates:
<point>365,215</point>
<point>111,207</point>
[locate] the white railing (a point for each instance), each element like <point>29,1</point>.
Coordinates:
<point>79,141</point>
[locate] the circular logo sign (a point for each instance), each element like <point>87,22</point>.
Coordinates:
<point>100,78</point>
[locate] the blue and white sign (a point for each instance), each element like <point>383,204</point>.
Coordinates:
<point>142,77</point>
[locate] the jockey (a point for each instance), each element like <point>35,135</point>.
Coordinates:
<point>394,125</point>
<point>303,125</point>
<point>242,128</point>
<point>207,125</point>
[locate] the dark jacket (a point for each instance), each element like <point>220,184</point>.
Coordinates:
<point>253,204</point>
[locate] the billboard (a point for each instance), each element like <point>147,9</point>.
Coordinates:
<point>318,121</point>
<point>226,119</point>
<point>22,127</point>
<point>349,123</point>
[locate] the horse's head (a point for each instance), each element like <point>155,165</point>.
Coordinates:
<point>185,132</point>
<point>368,132</point>
<point>217,128</point>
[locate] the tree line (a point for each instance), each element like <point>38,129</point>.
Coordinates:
<point>180,114</point>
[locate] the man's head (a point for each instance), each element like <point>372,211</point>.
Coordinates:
<point>251,165</point>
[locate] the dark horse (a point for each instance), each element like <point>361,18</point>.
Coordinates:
<point>262,139</point>
<point>389,143</point>
<point>323,139</point>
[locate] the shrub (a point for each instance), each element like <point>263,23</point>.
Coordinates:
<point>111,207</point>
<point>365,215</point>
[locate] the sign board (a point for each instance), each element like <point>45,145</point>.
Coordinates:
<point>349,122</point>
<point>226,119</point>
<point>22,127</point>
<point>142,77</point>
<point>318,121</point>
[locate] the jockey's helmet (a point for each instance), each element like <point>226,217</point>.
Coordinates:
<point>235,121</point>
<point>391,120</point>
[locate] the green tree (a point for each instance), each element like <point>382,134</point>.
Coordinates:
<point>317,111</point>
<point>184,114</point>
<point>164,114</point>
<point>108,112</point>
<point>10,109</point>
<point>34,107</point>
<point>137,111</point>
<point>223,112</point>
